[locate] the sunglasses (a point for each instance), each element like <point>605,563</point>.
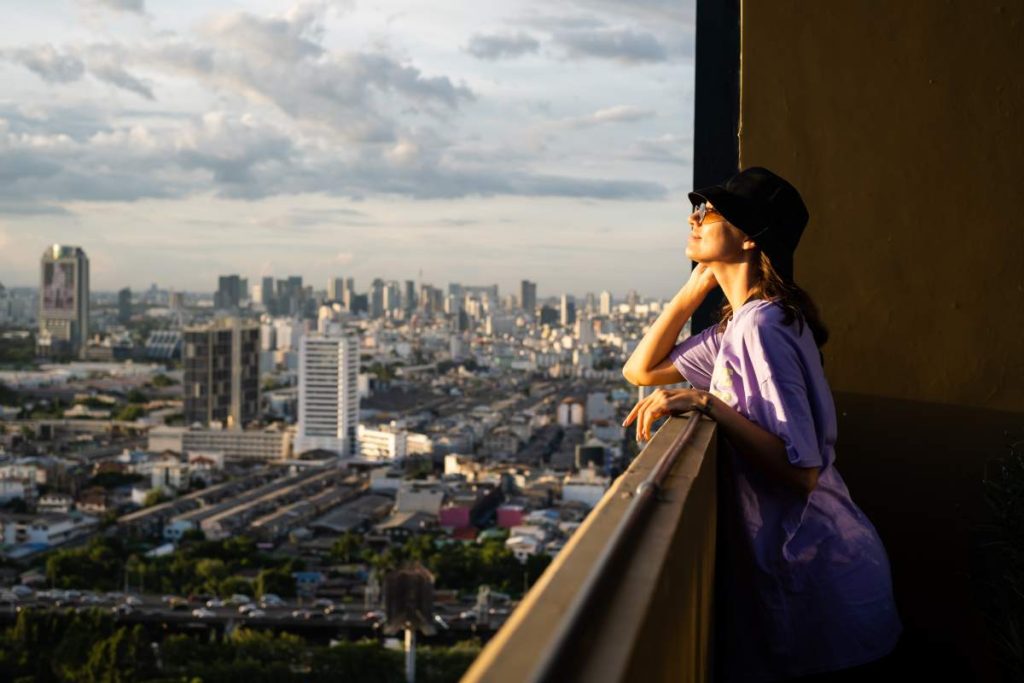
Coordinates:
<point>702,210</point>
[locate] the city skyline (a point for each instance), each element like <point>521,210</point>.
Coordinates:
<point>475,144</point>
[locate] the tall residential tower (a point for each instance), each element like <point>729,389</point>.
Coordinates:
<point>328,393</point>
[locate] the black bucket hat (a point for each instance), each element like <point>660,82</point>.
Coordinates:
<point>764,206</point>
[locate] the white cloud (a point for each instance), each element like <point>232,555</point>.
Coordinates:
<point>498,46</point>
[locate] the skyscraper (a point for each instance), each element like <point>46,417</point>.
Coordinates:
<point>222,362</point>
<point>528,297</point>
<point>229,292</point>
<point>377,298</point>
<point>606,303</point>
<point>328,393</point>
<point>410,296</point>
<point>336,289</point>
<point>124,306</point>
<point>267,294</point>
<point>64,302</point>
<point>568,310</point>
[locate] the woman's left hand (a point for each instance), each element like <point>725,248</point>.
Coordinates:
<point>658,404</point>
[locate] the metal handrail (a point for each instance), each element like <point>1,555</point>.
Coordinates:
<point>642,498</point>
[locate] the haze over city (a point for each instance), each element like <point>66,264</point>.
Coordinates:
<point>178,141</point>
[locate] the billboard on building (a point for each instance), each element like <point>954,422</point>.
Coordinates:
<point>59,286</point>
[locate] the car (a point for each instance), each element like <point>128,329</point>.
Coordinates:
<point>374,615</point>
<point>246,608</point>
<point>323,603</point>
<point>132,600</point>
<point>216,602</point>
<point>239,599</point>
<point>121,610</point>
<point>203,613</point>
<point>255,613</point>
<point>335,609</point>
<point>271,600</point>
<point>178,604</point>
<point>22,591</point>
<point>439,620</point>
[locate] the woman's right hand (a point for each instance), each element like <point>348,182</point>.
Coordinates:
<point>702,279</point>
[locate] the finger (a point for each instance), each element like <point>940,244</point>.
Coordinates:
<point>632,414</point>
<point>640,422</point>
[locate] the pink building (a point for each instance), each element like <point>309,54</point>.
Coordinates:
<point>510,516</point>
<point>455,516</point>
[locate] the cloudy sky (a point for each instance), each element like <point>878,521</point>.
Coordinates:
<point>473,142</point>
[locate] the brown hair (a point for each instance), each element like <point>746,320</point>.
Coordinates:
<point>796,302</point>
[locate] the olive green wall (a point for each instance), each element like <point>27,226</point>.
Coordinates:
<point>900,123</point>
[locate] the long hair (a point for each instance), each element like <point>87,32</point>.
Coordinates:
<point>796,302</point>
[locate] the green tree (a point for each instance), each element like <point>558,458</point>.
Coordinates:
<point>155,497</point>
<point>234,584</point>
<point>347,548</point>
<point>124,657</point>
<point>277,581</point>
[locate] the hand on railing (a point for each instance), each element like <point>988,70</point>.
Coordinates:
<point>665,402</point>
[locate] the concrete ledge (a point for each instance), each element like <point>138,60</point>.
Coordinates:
<point>653,621</point>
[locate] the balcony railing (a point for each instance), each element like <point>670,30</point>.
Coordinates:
<point>629,598</point>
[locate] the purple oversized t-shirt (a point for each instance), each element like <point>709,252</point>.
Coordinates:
<point>804,581</point>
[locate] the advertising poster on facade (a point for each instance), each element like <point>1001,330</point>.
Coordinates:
<point>59,287</point>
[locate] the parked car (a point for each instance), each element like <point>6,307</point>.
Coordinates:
<point>255,613</point>
<point>239,599</point>
<point>215,602</point>
<point>122,610</point>
<point>203,613</point>
<point>133,600</point>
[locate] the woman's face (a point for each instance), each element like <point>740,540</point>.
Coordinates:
<point>715,240</point>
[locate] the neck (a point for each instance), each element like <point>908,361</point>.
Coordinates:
<point>736,281</point>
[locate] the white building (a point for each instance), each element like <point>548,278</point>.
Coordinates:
<point>328,393</point>
<point>606,303</point>
<point>50,529</point>
<point>386,443</point>
<point>587,486</point>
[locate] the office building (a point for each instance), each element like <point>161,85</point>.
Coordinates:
<point>64,302</point>
<point>568,312</point>
<point>328,393</point>
<point>222,373</point>
<point>229,292</point>
<point>336,289</point>
<point>377,298</point>
<point>124,306</point>
<point>606,303</point>
<point>528,297</point>
<point>410,296</point>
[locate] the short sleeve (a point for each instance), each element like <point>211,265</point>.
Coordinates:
<point>781,404</point>
<point>694,357</point>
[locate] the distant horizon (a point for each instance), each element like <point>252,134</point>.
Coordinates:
<point>176,142</point>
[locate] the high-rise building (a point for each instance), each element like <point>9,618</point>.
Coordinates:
<point>528,296</point>
<point>410,296</point>
<point>229,292</point>
<point>568,311</point>
<point>222,379</point>
<point>124,306</point>
<point>377,298</point>
<point>392,295</point>
<point>267,294</point>
<point>349,293</point>
<point>336,289</point>
<point>328,393</point>
<point>64,302</point>
<point>606,303</point>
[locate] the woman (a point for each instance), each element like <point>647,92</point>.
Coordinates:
<point>804,584</point>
